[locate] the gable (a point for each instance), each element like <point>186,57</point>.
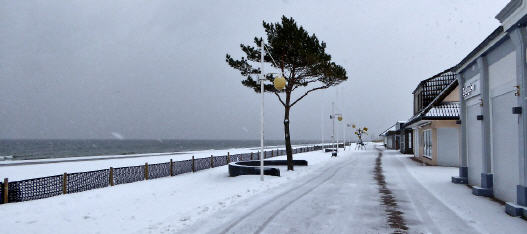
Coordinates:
<point>453,96</point>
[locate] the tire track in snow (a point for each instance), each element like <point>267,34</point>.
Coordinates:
<point>291,201</point>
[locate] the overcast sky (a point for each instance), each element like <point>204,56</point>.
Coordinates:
<point>156,69</point>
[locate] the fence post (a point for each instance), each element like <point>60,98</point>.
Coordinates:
<point>6,191</point>
<point>64,183</point>
<point>272,153</point>
<point>111,176</point>
<point>211,162</point>
<point>228,157</point>
<point>251,155</point>
<point>193,165</point>
<point>171,168</point>
<point>146,171</point>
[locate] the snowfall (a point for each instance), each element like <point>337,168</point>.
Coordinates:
<point>331,195</point>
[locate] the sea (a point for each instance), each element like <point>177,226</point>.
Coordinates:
<point>40,149</point>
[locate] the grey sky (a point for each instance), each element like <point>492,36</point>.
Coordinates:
<point>156,69</point>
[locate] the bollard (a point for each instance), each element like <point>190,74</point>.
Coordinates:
<point>6,191</point>
<point>111,176</point>
<point>146,171</point>
<point>64,183</point>
<point>193,165</point>
<point>171,167</point>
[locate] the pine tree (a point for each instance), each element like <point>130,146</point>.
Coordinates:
<point>300,57</point>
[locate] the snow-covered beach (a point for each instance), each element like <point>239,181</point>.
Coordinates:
<point>57,166</point>
<point>330,195</point>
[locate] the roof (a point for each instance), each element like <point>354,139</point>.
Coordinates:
<point>444,110</point>
<point>487,42</point>
<point>508,10</point>
<point>437,110</point>
<point>389,131</point>
<point>431,78</point>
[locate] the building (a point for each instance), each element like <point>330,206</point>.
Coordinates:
<point>493,78</point>
<point>434,123</point>
<point>391,136</point>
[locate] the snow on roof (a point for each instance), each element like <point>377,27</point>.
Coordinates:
<point>391,129</point>
<point>447,109</point>
<point>436,104</point>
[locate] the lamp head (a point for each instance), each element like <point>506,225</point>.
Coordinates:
<point>279,83</point>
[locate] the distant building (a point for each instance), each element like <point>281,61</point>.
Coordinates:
<point>391,136</point>
<point>432,130</point>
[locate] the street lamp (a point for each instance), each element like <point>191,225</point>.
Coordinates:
<point>339,117</point>
<point>279,83</point>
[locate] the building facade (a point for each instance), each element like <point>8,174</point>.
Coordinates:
<point>493,132</point>
<point>392,136</point>
<point>435,121</point>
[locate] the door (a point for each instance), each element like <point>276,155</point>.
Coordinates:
<point>474,143</point>
<point>504,127</point>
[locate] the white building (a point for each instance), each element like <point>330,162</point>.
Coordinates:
<point>493,78</point>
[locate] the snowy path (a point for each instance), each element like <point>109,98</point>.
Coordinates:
<point>344,198</point>
<point>327,201</point>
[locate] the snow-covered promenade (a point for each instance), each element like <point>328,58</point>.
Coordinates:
<point>331,195</point>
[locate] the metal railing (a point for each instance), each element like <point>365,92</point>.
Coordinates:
<point>44,187</point>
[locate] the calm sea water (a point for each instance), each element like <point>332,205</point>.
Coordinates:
<point>37,149</point>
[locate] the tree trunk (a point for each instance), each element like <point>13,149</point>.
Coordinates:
<point>288,148</point>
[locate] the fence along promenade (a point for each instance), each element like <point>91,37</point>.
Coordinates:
<point>44,187</point>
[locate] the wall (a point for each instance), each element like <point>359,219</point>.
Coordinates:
<point>448,147</point>
<point>453,96</point>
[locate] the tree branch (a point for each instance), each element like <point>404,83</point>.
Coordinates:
<point>305,94</point>
<point>279,98</point>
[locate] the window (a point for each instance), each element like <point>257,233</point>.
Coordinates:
<point>410,142</point>
<point>427,143</point>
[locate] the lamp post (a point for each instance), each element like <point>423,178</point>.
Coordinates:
<point>279,84</point>
<point>345,128</point>
<point>333,116</point>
